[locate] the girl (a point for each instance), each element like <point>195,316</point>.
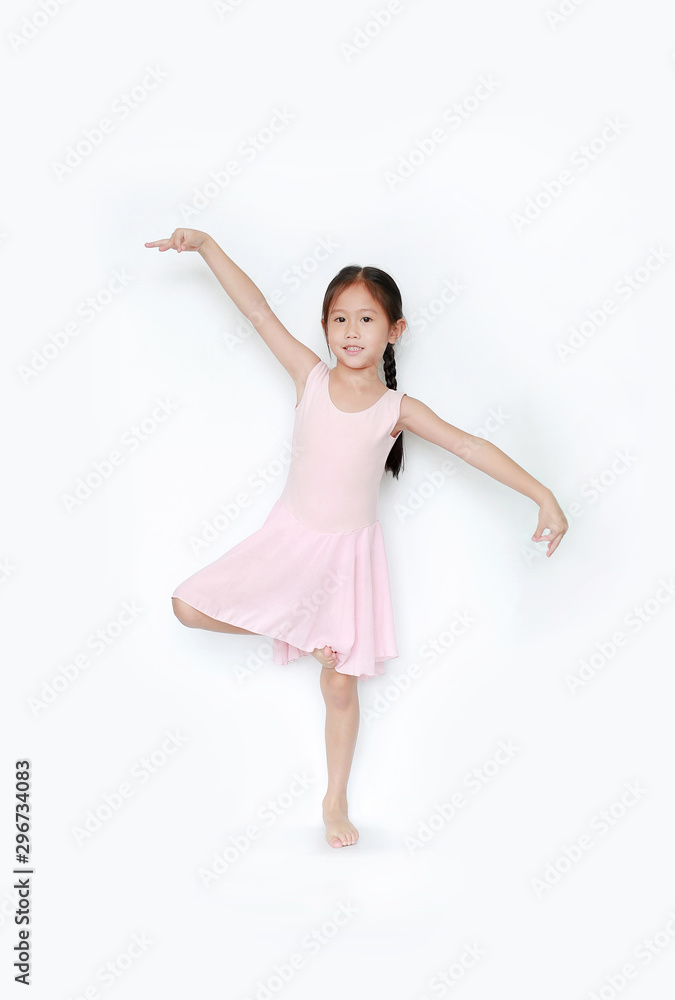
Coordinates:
<point>314,577</point>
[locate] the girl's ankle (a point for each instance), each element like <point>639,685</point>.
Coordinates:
<point>332,800</point>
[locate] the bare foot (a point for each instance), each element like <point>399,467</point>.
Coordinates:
<point>339,831</point>
<point>325,656</point>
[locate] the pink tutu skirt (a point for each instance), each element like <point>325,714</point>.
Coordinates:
<point>304,589</point>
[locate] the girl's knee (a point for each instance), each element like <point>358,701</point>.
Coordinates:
<point>338,689</point>
<point>185,613</point>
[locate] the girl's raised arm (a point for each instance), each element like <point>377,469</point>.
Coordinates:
<point>296,357</point>
<point>417,417</point>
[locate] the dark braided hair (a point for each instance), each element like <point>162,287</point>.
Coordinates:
<point>384,290</point>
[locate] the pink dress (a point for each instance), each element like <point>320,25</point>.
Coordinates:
<point>315,573</point>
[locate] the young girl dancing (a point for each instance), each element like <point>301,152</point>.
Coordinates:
<point>322,538</point>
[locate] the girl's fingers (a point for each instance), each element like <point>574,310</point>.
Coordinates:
<point>553,539</point>
<point>553,542</point>
<point>167,244</point>
<point>176,241</point>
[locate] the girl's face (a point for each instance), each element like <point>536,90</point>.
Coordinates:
<point>357,320</point>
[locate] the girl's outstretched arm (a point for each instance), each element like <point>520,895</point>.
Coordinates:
<point>296,357</point>
<point>417,417</point>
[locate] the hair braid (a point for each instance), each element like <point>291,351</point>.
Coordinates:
<point>389,360</point>
<point>394,461</point>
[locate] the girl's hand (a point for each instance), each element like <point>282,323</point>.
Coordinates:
<point>552,517</point>
<point>181,239</point>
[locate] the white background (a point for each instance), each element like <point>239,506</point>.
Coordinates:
<point>501,875</point>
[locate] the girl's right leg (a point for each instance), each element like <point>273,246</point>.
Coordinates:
<point>189,616</point>
<point>342,724</point>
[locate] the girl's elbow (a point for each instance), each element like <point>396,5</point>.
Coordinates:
<point>467,446</point>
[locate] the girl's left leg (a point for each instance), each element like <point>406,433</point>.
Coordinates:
<point>193,618</point>
<point>342,725</point>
